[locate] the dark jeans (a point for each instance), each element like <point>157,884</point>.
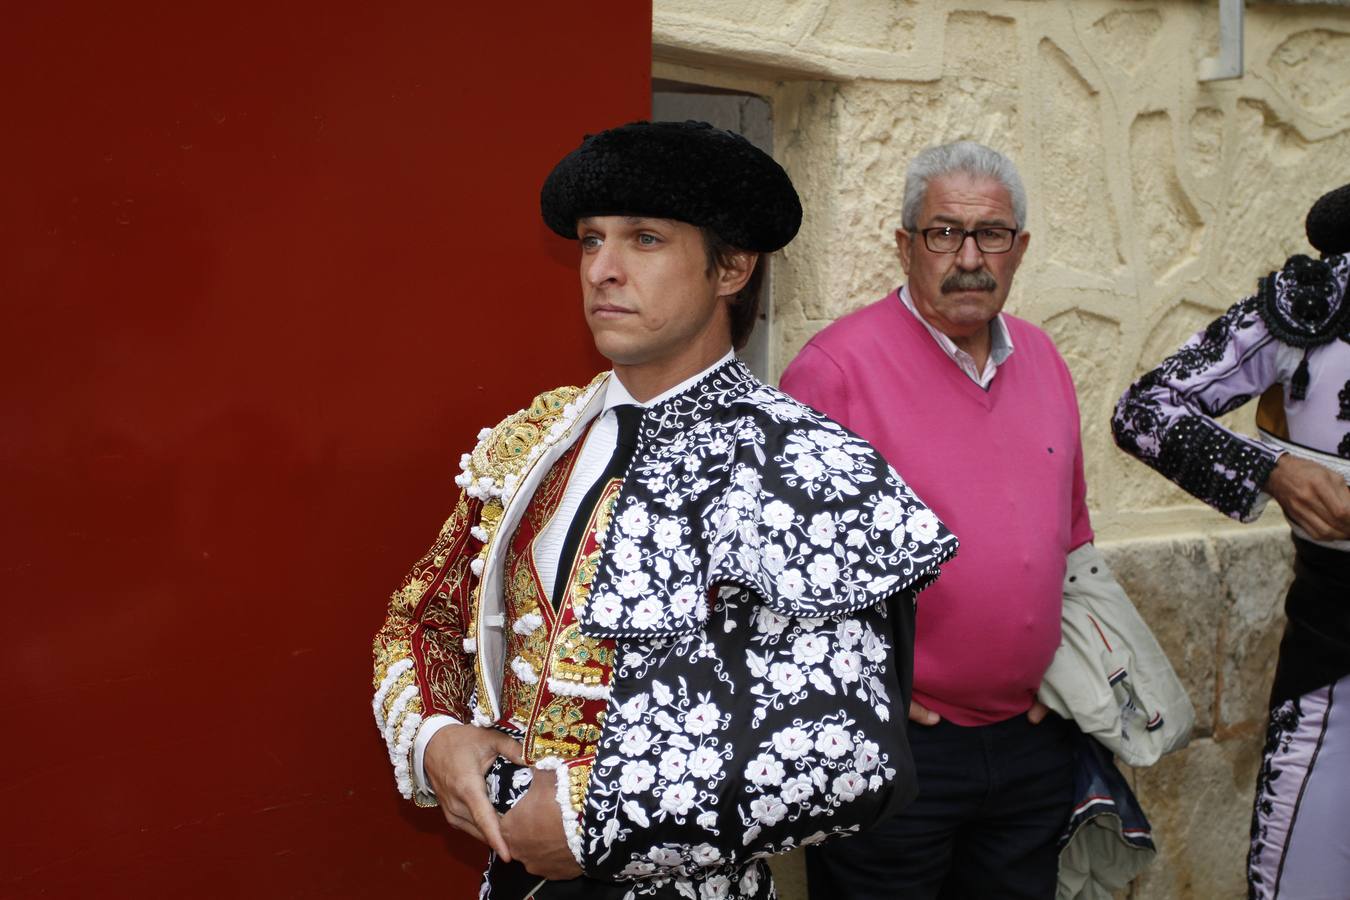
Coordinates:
<point>992,802</point>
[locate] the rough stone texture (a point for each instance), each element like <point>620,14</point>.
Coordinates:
<point>1170,225</point>
<point>1257,571</point>
<point>1310,68</point>
<point>1199,803</point>
<point>1155,202</point>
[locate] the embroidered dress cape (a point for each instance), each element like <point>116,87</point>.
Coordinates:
<point>757,580</point>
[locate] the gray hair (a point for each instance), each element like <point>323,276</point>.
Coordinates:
<point>961,156</point>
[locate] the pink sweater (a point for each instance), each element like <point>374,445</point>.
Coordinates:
<point>1003,469</point>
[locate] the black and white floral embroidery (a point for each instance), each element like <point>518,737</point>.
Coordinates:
<point>736,483</point>
<point>725,758</point>
<point>755,704</point>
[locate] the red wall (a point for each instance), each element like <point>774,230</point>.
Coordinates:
<point>265,270</point>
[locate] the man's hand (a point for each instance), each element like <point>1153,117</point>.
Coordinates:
<point>1313,496</point>
<point>456,759</point>
<point>1036,715</point>
<point>922,714</point>
<point>533,829</point>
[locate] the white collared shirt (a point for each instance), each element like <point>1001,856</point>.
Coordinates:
<point>591,461</point>
<point>1000,345</point>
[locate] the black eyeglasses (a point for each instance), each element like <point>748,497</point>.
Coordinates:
<point>946,239</point>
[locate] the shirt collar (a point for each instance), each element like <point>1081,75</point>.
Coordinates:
<point>1000,341</point>
<point>616,394</point>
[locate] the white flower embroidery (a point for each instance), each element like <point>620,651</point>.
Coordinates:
<point>849,786</point>
<point>773,559</point>
<point>791,584</point>
<point>809,649</point>
<point>846,666</point>
<point>837,459</point>
<point>674,763</point>
<point>704,763</point>
<point>769,811</point>
<point>786,678</point>
<point>834,741</point>
<point>923,525</point>
<point>678,798</point>
<point>868,756</point>
<point>769,622</point>
<point>765,770</point>
<point>705,855</point>
<point>664,857</point>
<point>605,609</point>
<point>808,468</point>
<point>750,881</point>
<point>683,601</point>
<point>718,887</point>
<point>778,515</point>
<point>667,534</point>
<point>824,571</point>
<point>632,584</point>
<point>702,719</point>
<point>798,789</point>
<point>634,522</point>
<point>792,742</point>
<point>637,776</point>
<point>888,513</point>
<point>635,741</point>
<point>822,530</point>
<point>848,632</point>
<point>747,479</point>
<point>625,555</point>
<point>633,708</point>
<point>647,613</point>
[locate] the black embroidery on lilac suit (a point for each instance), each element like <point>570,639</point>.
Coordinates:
<point>1344,398</point>
<point>1303,303</point>
<point>1189,449</point>
<point>1279,735</point>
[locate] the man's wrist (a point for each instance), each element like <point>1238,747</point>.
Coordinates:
<point>430,726</point>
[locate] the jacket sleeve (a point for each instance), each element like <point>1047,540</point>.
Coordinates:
<point>758,734</point>
<point>1167,418</point>
<point>423,665</point>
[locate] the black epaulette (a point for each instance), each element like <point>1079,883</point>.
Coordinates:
<point>1304,304</point>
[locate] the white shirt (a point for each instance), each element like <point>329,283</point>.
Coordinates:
<point>595,454</point>
<point>1000,345</point>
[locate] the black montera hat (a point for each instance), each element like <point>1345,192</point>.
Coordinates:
<point>1328,223</point>
<point>688,171</point>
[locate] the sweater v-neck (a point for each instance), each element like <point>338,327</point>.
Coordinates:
<point>965,385</point>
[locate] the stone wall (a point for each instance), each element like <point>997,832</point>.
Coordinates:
<point>1156,201</point>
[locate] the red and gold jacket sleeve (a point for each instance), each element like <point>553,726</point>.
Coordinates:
<point>423,665</point>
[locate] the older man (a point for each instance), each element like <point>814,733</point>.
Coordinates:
<point>979,410</point>
<point>662,632</point>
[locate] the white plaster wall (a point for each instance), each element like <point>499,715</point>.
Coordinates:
<point>1156,201</point>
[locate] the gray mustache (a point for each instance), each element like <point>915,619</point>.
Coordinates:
<point>969,281</point>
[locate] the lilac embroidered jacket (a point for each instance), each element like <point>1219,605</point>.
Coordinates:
<point>1295,331</point>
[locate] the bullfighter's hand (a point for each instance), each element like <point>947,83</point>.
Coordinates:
<point>533,830</point>
<point>456,759</point>
<point>1313,496</point>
